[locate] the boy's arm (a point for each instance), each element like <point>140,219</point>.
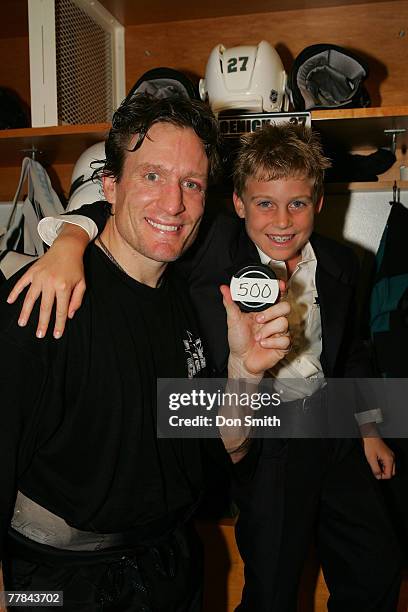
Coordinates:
<point>380,457</point>
<point>22,380</point>
<point>90,217</point>
<point>257,342</point>
<point>358,366</point>
<point>58,276</point>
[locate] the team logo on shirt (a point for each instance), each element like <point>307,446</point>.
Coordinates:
<point>195,354</point>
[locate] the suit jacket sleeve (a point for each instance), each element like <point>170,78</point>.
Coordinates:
<point>91,217</point>
<point>99,212</point>
<point>354,353</point>
<point>357,360</point>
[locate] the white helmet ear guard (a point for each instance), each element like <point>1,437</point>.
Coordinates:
<point>84,188</point>
<point>248,77</point>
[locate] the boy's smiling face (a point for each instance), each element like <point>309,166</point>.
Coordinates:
<point>279,216</point>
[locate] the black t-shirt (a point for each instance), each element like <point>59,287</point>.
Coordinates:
<point>78,415</point>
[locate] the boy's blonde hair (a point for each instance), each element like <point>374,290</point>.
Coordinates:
<point>281,151</point>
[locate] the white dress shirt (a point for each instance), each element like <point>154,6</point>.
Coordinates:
<point>49,227</point>
<point>300,371</point>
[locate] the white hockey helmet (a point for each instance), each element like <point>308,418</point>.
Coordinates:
<point>248,77</point>
<point>84,188</point>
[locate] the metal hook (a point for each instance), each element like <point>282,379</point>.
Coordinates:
<point>394,134</point>
<point>396,191</point>
<point>32,152</point>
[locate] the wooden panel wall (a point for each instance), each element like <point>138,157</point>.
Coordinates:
<point>60,176</point>
<point>15,66</point>
<point>155,11</point>
<point>373,31</point>
<point>14,74</point>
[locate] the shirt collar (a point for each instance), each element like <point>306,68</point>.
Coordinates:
<point>307,256</point>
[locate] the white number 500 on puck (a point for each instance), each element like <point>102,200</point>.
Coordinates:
<point>254,288</point>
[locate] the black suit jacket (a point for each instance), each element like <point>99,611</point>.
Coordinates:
<point>223,246</point>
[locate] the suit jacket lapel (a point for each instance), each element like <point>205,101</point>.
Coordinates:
<point>335,292</point>
<point>243,252</point>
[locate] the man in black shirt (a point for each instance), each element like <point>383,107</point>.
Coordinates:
<point>99,506</point>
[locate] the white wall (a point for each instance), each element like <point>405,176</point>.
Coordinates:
<point>358,219</point>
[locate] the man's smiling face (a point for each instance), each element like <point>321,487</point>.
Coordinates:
<point>159,200</point>
<point>279,215</point>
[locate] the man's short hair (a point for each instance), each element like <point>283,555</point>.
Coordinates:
<point>279,152</point>
<point>139,112</point>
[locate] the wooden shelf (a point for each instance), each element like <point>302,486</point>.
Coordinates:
<point>382,186</point>
<point>56,145</point>
<point>360,113</point>
<point>58,149</point>
<point>129,12</point>
<point>361,128</point>
<point>340,126</point>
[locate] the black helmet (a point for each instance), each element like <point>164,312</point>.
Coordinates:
<point>327,76</point>
<point>165,82</point>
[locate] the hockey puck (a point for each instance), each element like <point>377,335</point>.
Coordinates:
<point>254,288</point>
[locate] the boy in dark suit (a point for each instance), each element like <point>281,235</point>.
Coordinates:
<point>300,486</point>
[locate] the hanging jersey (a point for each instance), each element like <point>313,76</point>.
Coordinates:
<point>389,298</point>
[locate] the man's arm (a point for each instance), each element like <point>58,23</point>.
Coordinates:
<point>22,383</point>
<point>18,430</point>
